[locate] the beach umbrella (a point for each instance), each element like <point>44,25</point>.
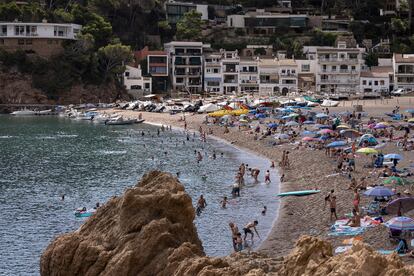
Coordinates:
<point>243,121</point>
<point>260,116</point>
<point>411,120</point>
<point>379,126</point>
<point>308,139</point>
<point>394,180</point>
<point>400,223</point>
<point>272,125</point>
<point>393,156</point>
<point>324,137</point>
<point>404,204</point>
<point>410,111</point>
<point>342,127</point>
<point>326,131</point>
<point>384,123</point>
<point>379,191</point>
<point>350,133</point>
<point>308,122</point>
<point>282,136</point>
<point>308,133</point>
<point>292,123</point>
<point>336,144</point>
<point>321,115</point>
<point>367,151</point>
<point>380,146</point>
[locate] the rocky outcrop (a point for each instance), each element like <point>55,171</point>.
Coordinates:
<point>150,231</point>
<point>17,88</point>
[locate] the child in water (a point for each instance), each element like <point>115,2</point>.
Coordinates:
<point>239,242</point>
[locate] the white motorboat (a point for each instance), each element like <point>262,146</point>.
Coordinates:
<point>120,121</point>
<point>24,112</point>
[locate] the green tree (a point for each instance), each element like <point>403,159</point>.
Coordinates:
<point>112,59</point>
<point>189,26</point>
<point>371,59</point>
<point>10,11</point>
<point>61,16</point>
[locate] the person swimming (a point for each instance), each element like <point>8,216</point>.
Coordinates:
<point>264,210</point>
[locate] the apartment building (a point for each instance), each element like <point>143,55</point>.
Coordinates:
<point>306,69</point>
<point>156,67</point>
<point>44,39</point>
<point>248,75</point>
<point>230,65</point>
<point>376,80</point>
<point>213,77</point>
<point>266,23</point>
<point>175,10</point>
<point>186,65</point>
<point>269,76</point>
<point>338,69</point>
<point>403,65</point>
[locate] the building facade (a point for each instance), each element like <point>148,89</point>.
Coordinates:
<point>213,74</point>
<point>186,65</point>
<point>135,83</point>
<point>44,39</point>
<point>175,10</point>
<point>248,75</point>
<point>403,66</point>
<point>230,68</point>
<point>376,80</point>
<point>338,69</point>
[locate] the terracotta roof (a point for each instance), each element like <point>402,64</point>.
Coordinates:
<point>403,58</point>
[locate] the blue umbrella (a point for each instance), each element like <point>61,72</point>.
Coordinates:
<point>308,133</point>
<point>308,122</point>
<point>291,123</point>
<point>260,115</point>
<point>336,144</point>
<point>393,156</point>
<point>401,223</point>
<point>272,125</point>
<point>324,137</point>
<point>321,115</point>
<point>410,111</point>
<point>286,117</point>
<point>379,191</point>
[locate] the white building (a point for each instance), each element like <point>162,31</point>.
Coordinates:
<point>176,10</point>
<point>376,80</point>
<point>403,65</point>
<point>186,65</point>
<point>213,77</point>
<point>44,39</point>
<point>306,74</point>
<point>248,75</point>
<point>278,76</point>
<point>135,83</point>
<point>338,69</point>
<point>230,67</point>
<point>288,76</point>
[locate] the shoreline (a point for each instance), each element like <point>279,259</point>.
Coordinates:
<point>247,151</point>
<point>310,169</point>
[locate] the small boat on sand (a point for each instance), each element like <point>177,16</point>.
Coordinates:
<point>24,112</point>
<point>120,121</point>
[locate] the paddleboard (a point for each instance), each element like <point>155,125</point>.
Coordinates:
<point>299,193</point>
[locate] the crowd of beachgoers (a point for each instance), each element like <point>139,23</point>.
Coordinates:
<point>353,169</point>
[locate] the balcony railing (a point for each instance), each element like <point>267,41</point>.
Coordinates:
<point>269,81</point>
<point>288,74</point>
<point>230,81</point>
<point>338,59</point>
<point>230,70</point>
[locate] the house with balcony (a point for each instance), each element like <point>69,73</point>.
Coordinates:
<point>376,80</point>
<point>230,64</point>
<point>338,69</point>
<point>156,67</point>
<point>248,75</point>
<point>403,65</point>
<point>186,65</point>
<point>269,76</point>
<point>267,23</point>
<point>44,39</point>
<point>213,77</point>
<point>135,83</point>
<point>306,74</point>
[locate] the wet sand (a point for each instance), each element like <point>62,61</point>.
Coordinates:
<point>309,169</point>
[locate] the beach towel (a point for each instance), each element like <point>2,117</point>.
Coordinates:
<point>389,252</point>
<point>340,229</point>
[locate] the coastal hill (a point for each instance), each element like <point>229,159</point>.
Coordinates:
<point>150,231</point>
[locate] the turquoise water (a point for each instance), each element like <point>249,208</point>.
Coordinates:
<point>43,158</point>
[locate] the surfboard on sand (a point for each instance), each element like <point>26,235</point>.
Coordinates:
<point>299,193</point>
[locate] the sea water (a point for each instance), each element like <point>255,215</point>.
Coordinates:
<point>42,158</point>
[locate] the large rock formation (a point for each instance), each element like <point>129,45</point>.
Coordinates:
<point>150,231</point>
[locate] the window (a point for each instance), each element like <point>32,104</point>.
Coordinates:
<point>19,30</point>
<point>31,30</point>
<point>305,68</point>
<point>179,80</point>
<point>370,83</point>
<point>147,85</point>
<point>342,56</point>
<point>3,31</point>
<point>375,82</point>
<point>382,82</point>
<point>334,68</point>
<point>353,68</point>
<point>216,70</point>
<point>293,71</point>
<point>364,82</point>
<point>126,74</point>
<point>283,71</point>
<point>60,31</point>
<point>20,41</point>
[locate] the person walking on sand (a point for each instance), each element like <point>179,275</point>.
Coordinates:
<point>234,231</point>
<point>356,200</point>
<point>267,177</point>
<point>332,205</point>
<point>272,165</point>
<point>248,230</point>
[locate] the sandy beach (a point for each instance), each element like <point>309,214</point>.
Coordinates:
<point>309,169</point>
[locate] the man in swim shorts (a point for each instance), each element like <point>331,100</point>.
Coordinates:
<point>248,229</point>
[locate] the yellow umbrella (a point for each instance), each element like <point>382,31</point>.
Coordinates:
<point>342,127</point>
<point>384,123</point>
<point>367,151</point>
<point>243,121</point>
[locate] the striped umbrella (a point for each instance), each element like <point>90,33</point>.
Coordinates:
<point>401,223</point>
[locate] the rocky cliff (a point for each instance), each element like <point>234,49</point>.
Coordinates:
<point>150,231</point>
<point>17,88</point>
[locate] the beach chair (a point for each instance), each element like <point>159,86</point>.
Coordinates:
<point>373,208</point>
